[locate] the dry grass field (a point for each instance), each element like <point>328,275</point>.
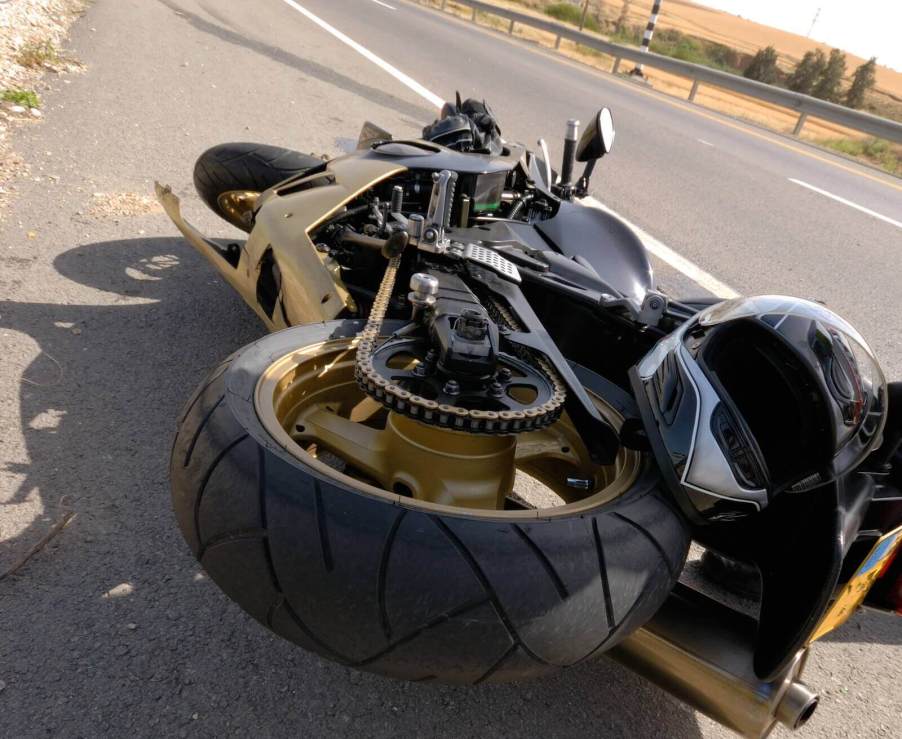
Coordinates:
<point>740,33</point>
<point>746,35</point>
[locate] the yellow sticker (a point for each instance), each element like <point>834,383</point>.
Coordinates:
<point>854,591</point>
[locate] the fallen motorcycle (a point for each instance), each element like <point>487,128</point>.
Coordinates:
<point>479,440</point>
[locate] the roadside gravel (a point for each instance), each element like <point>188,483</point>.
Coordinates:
<point>39,26</point>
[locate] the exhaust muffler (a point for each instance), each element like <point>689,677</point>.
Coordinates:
<point>702,652</point>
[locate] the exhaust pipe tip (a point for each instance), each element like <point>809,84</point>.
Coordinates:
<point>797,706</point>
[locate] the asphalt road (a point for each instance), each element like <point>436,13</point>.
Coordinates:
<point>108,321</point>
<point>716,191</point>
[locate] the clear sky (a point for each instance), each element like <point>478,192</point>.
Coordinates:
<point>864,27</point>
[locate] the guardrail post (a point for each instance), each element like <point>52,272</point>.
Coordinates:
<point>793,102</point>
<point>649,32</point>
<point>693,90</point>
<point>582,19</point>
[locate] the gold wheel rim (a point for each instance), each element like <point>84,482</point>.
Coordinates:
<point>309,402</point>
<point>238,205</point>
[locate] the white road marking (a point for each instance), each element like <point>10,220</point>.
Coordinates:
<point>366,53</point>
<point>706,143</point>
<point>669,256</point>
<point>662,252</point>
<point>838,199</point>
<point>384,5</point>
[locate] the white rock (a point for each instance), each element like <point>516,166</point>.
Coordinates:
<point>35,113</point>
<point>16,109</point>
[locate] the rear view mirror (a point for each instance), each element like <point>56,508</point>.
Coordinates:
<point>598,138</point>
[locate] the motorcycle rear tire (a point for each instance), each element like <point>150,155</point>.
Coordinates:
<point>391,586</point>
<point>245,167</point>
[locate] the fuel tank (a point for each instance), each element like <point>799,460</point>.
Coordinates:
<point>598,238</point>
<point>424,155</point>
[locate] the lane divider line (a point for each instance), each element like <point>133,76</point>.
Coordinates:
<point>737,124</point>
<point>655,247</point>
<point>669,256</point>
<point>838,199</point>
<point>369,55</point>
<point>385,5</point>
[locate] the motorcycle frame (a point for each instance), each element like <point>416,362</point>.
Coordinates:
<point>717,669</point>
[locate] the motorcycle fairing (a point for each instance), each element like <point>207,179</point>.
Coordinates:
<point>302,286</point>
<point>280,251</point>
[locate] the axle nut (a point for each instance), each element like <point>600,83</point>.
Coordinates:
<point>471,325</point>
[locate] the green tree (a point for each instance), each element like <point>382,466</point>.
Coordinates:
<point>807,72</point>
<point>827,87</point>
<point>862,81</point>
<point>763,66</point>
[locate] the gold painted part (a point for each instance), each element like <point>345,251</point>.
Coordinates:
<point>448,467</point>
<point>239,205</point>
<point>853,592</point>
<point>312,290</point>
<point>414,460</point>
<point>310,403</point>
<point>236,277</point>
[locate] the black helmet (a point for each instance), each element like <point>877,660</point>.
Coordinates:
<point>466,126</point>
<point>756,396</point>
<point>454,131</point>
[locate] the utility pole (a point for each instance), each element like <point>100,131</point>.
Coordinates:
<point>646,37</point>
<point>817,13</point>
<point>582,20</point>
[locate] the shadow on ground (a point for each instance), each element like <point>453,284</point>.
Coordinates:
<point>116,627</point>
<point>869,627</point>
<point>307,67</point>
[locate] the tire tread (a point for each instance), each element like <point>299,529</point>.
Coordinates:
<point>576,566</point>
<point>245,166</point>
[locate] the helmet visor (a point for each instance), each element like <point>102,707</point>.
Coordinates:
<point>839,356</point>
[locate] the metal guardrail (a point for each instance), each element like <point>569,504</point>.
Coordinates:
<point>804,105</point>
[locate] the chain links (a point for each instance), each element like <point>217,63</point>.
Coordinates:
<point>438,414</point>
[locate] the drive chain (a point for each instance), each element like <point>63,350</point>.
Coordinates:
<point>427,411</point>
